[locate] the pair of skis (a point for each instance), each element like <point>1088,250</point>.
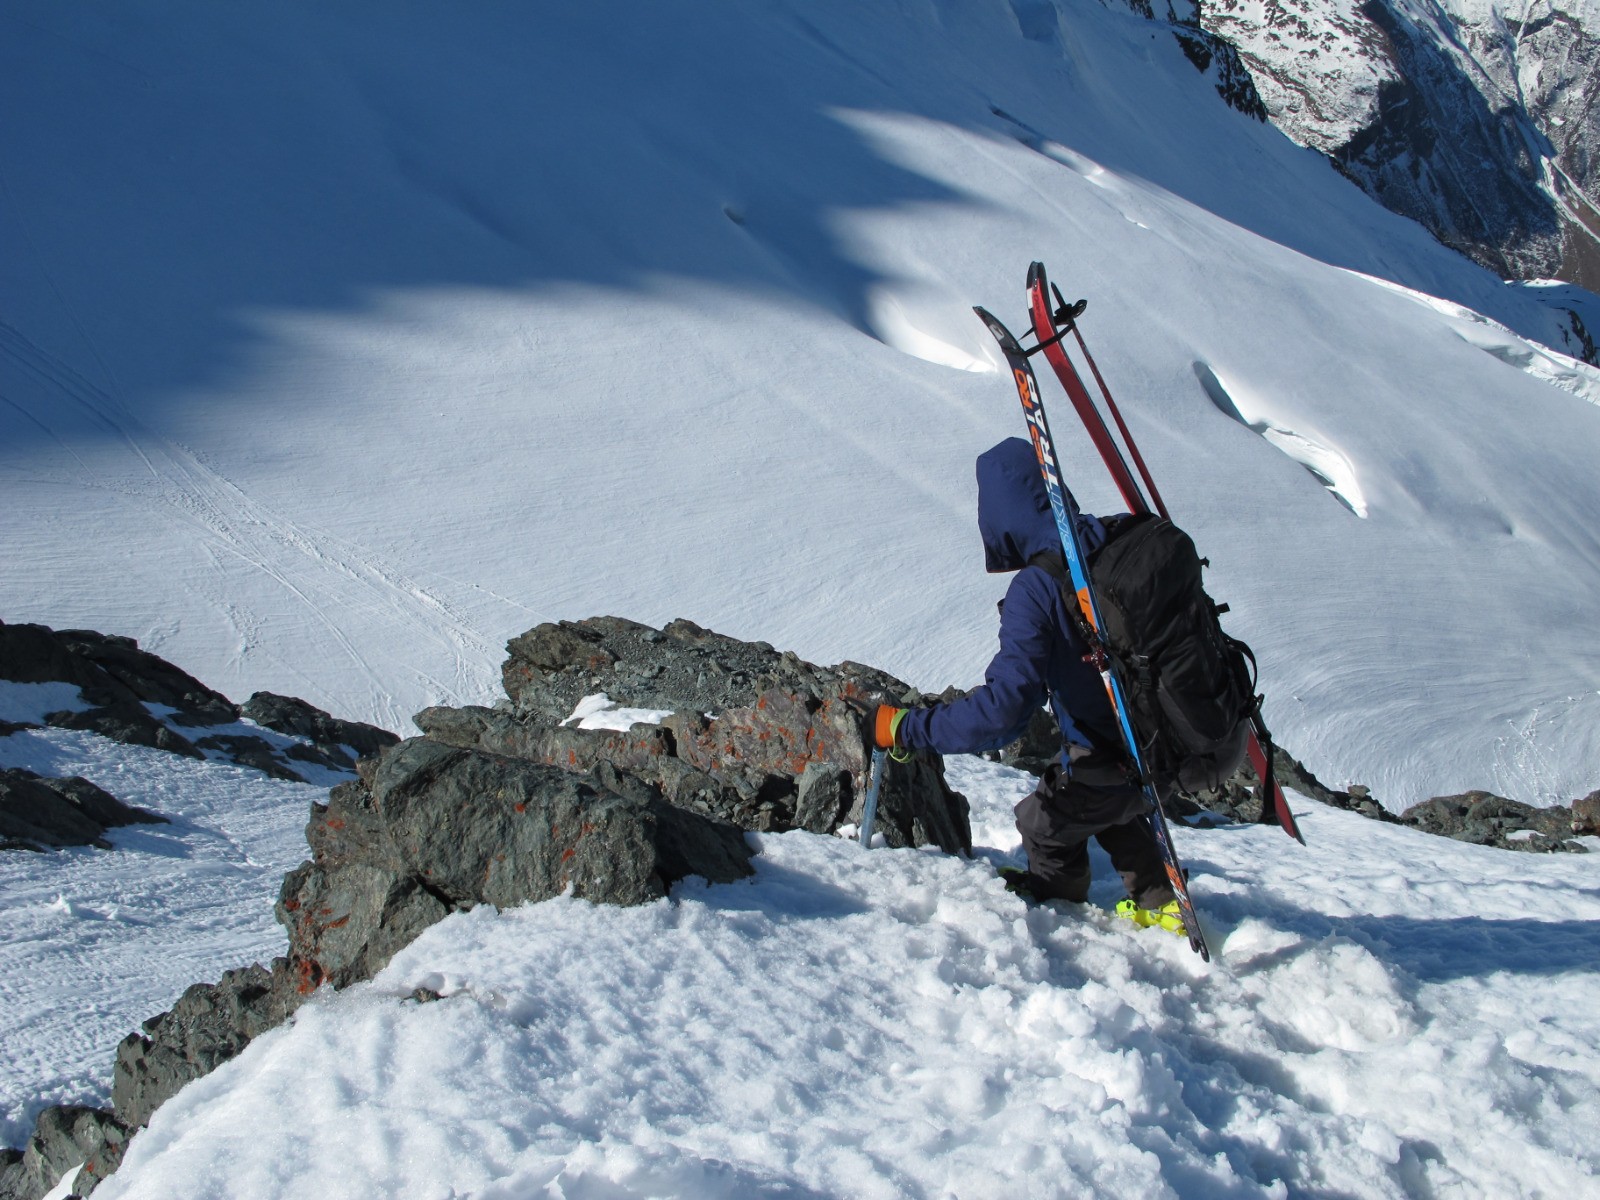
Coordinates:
<point>1050,328</point>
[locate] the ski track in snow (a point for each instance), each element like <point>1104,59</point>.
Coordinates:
<point>894,1024</point>
<point>328,581</point>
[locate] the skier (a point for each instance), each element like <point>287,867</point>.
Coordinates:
<point>1093,791</point>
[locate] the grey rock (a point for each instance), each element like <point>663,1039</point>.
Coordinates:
<point>110,671</point>
<point>127,722</point>
<point>1485,819</point>
<point>119,680</point>
<point>64,1137</point>
<point>250,751</point>
<point>38,813</point>
<point>209,1024</point>
<point>1586,814</point>
<point>440,828</point>
<point>293,716</point>
<point>821,796</point>
<point>747,718</point>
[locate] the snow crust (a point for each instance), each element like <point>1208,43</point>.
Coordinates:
<point>1387,1015</point>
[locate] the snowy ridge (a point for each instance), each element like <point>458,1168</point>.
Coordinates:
<point>342,347</point>
<point>892,1023</point>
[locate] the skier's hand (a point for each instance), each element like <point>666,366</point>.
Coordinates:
<point>886,726</point>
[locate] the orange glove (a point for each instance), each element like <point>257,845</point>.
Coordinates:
<point>886,727</point>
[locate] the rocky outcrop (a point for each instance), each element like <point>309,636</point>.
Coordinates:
<point>758,737</point>
<point>1485,819</point>
<point>430,829</point>
<point>516,803</point>
<point>1586,814</point>
<point>509,805</point>
<point>65,1136</point>
<point>38,813</point>
<point>334,742</point>
<point>1478,817</point>
<point>140,699</point>
<point>1214,57</point>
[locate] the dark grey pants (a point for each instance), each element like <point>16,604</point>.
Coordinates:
<point>1061,815</point>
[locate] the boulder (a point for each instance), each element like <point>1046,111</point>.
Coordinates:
<point>1586,814</point>
<point>122,683</point>
<point>749,724</point>
<point>432,829</point>
<point>65,1136</point>
<point>1485,819</point>
<point>208,1025</point>
<point>112,672</point>
<point>38,813</point>
<point>339,741</point>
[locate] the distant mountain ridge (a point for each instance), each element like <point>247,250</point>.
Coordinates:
<point>1478,122</point>
<point>1476,119</point>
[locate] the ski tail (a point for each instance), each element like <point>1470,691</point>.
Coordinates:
<point>1273,801</point>
<point>1064,509</point>
<point>1049,339</point>
<point>1100,382</point>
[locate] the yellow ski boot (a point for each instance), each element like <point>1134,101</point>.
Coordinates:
<point>1167,917</point>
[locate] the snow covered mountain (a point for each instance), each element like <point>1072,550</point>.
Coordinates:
<point>341,343</point>
<point>340,348</point>
<point>1477,119</point>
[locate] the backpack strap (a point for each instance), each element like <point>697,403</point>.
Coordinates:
<point>1054,564</point>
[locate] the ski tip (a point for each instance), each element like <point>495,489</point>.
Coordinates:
<point>1004,336</point>
<point>1036,274</point>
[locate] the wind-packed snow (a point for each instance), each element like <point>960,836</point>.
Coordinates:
<point>894,1024</point>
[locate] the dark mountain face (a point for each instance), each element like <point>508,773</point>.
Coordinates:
<point>1476,118</point>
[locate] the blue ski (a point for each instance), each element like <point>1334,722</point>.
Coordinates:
<point>1065,511</point>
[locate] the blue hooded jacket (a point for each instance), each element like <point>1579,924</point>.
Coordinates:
<point>1041,654</point>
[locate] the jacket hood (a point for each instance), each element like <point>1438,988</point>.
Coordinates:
<point>1014,517</point>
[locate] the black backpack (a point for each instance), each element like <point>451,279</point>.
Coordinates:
<point>1190,687</point>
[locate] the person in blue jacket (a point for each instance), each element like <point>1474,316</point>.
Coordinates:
<point>1092,791</point>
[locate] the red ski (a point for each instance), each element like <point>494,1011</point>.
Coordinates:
<point>1050,328</point>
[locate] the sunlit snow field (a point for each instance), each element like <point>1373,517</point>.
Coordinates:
<point>1387,1015</point>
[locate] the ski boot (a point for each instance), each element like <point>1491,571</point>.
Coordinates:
<point>1167,917</point>
<point>1019,883</point>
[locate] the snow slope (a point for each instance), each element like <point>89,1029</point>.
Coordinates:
<point>337,348</point>
<point>894,1024</point>
<point>95,942</point>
